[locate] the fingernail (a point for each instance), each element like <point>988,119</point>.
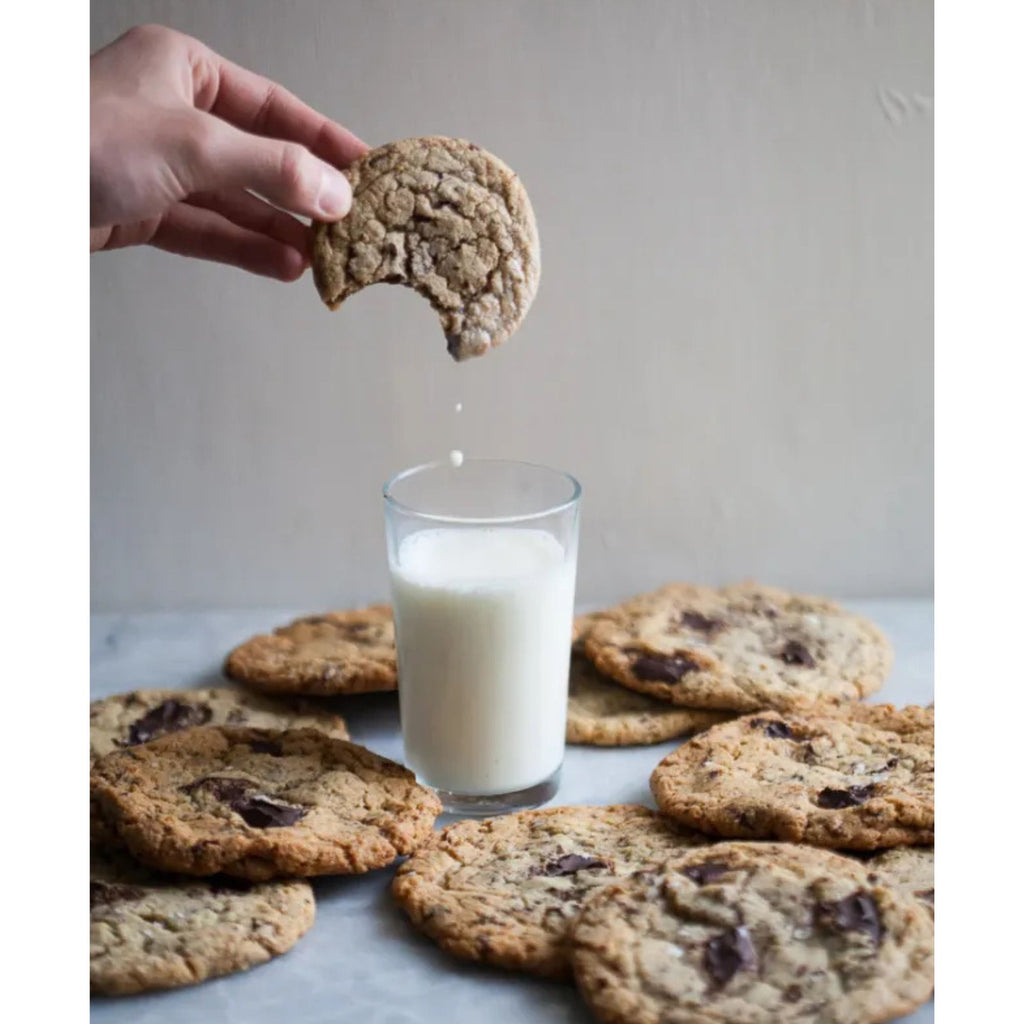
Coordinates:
<point>335,196</point>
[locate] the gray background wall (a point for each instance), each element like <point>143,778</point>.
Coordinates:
<point>731,347</point>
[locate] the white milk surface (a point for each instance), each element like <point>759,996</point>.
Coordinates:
<point>484,622</point>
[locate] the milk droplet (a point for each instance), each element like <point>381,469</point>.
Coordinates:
<point>458,407</point>
<point>455,457</point>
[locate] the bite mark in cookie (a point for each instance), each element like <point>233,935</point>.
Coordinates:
<point>446,218</point>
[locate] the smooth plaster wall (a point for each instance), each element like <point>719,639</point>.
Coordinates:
<point>731,347</point>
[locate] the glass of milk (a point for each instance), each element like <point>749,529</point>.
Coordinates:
<point>483,574</point>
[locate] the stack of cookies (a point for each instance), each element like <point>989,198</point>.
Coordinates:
<point>210,808</point>
<point>664,915</point>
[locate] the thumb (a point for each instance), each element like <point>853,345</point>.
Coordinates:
<point>284,172</point>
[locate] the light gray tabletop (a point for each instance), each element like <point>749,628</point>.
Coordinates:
<point>361,961</point>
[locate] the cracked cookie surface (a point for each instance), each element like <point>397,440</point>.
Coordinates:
<point>604,713</point>
<point>504,891</point>
<point>739,648</point>
<point>259,803</point>
<point>151,931</point>
<point>446,218</point>
<point>828,780</point>
<point>764,933</point>
<point>127,719</point>
<point>322,655</point>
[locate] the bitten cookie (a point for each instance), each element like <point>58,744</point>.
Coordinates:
<point>762,933</point>
<point>603,713</point>
<point>504,891</point>
<point>446,218</point>
<point>322,655</point>
<point>740,648</point>
<point>908,869</point>
<point>259,804</point>
<point>150,931</point>
<point>825,780</point>
<point>127,719</point>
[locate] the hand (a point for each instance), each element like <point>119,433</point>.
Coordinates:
<point>180,141</point>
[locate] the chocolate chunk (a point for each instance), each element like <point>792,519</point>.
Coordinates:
<point>663,668</point>
<point>104,893</point>
<point>773,730</point>
<point>856,913</point>
<point>700,623</point>
<point>792,994</point>
<point>570,863</point>
<point>170,716</point>
<point>728,953</point>
<point>891,763</point>
<point>836,799</point>
<point>262,812</point>
<point>928,895</point>
<point>271,747</point>
<point>794,653</point>
<point>706,872</point>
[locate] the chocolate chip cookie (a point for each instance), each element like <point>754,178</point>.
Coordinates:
<point>739,648</point>
<point>128,719</point>
<point>603,713</point>
<point>908,869</point>
<point>150,931</point>
<point>763,933</point>
<point>447,219</point>
<point>259,803</point>
<point>504,891</point>
<point>322,655</point>
<point>828,780</point>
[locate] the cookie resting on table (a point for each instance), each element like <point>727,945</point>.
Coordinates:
<point>259,804</point>
<point>127,719</point>
<point>322,655</point>
<point>739,648</point>
<point>504,891</point>
<point>604,713</point>
<point>152,931</point>
<point>763,933</point>
<point>827,780</point>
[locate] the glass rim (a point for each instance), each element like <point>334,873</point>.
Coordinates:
<point>392,502</point>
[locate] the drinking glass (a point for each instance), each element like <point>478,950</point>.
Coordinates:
<point>482,558</point>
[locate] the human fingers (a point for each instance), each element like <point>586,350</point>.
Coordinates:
<point>192,231</point>
<point>216,156</point>
<point>257,104</point>
<point>249,211</point>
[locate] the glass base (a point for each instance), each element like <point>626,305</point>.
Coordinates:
<point>491,804</point>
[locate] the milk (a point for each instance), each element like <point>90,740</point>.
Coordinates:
<point>484,624</point>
